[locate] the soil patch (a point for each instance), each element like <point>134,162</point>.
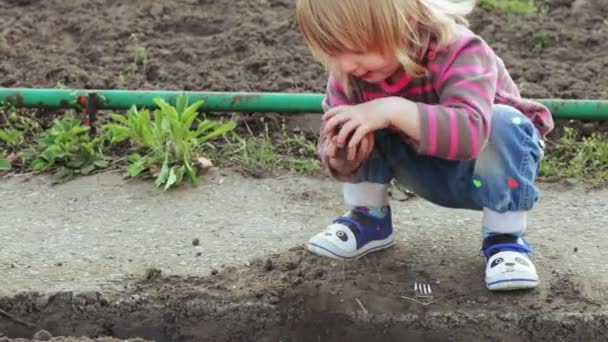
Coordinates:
<point>255,46</point>
<point>295,296</point>
<point>244,45</point>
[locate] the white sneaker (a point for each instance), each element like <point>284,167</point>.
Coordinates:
<point>508,266</point>
<point>353,235</point>
<point>510,271</point>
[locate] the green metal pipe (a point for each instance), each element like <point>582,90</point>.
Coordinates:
<point>124,99</point>
<point>238,101</point>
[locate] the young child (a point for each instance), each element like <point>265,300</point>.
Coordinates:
<point>416,96</point>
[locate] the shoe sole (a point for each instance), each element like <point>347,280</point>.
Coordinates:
<point>515,281</point>
<point>373,246</point>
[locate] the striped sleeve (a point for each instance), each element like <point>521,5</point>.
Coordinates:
<point>335,94</point>
<point>458,127</point>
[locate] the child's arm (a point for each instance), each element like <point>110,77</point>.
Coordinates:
<point>458,127</point>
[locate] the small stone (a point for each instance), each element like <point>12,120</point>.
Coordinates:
<point>575,249</point>
<point>196,242</point>
<point>183,263</point>
<point>42,335</point>
<point>214,272</point>
<point>268,265</point>
<point>274,300</point>
<point>59,264</point>
<point>482,299</point>
<point>320,273</point>
<point>198,254</point>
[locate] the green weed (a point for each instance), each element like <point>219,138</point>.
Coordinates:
<point>580,158</point>
<point>266,152</point>
<point>542,40</point>
<point>140,55</point>
<point>66,148</point>
<point>15,128</point>
<point>510,6</point>
<point>15,132</point>
<point>11,137</point>
<point>153,273</point>
<point>5,164</point>
<point>168,140</point>
<point>140,62</point>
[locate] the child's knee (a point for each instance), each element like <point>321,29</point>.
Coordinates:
<point>513,141</point>
<point>508,165</point>
<point>514,130</point>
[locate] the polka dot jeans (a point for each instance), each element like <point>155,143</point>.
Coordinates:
<point>501,179</point>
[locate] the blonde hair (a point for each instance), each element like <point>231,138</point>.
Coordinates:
<point>403,27</point>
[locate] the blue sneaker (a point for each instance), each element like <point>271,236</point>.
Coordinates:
<point>354,235</point>
<point>508,265</point>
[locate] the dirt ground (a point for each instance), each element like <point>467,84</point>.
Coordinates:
<point>78,266</point>
<point>73,255</point>
<point>253,45</point>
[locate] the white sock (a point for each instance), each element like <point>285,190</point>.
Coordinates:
<point>512,222</point>
<point>365,194</point>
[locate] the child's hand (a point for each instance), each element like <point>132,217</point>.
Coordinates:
<point>346,161</point>
<point>357,121</point>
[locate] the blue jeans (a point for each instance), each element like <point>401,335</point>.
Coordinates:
<point>501,179</point>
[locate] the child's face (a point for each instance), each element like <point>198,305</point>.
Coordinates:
<point>372,67</point>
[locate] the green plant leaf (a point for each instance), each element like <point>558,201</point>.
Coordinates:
<point>204,126</point>
<point>87,169</point>
<point>76,163</point>
<point>163,175</point>
<point>191,173</point>
<point>39,164</point>
<point>50,154</point>
<point>135,170</point>
<point>190,114</point>
<point>179,172</point>
<point>172,179</point>
<point>117,132</point>
<point>167,109</point>
<point>134,157</point>
<point>181,103</point>
<point>64,174</point>
<point>120,118</point>
<point>218,131</point>
<point>146,128</point>
<point>102,164</point>
<point>5,164</point>
<point>11,137</point>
